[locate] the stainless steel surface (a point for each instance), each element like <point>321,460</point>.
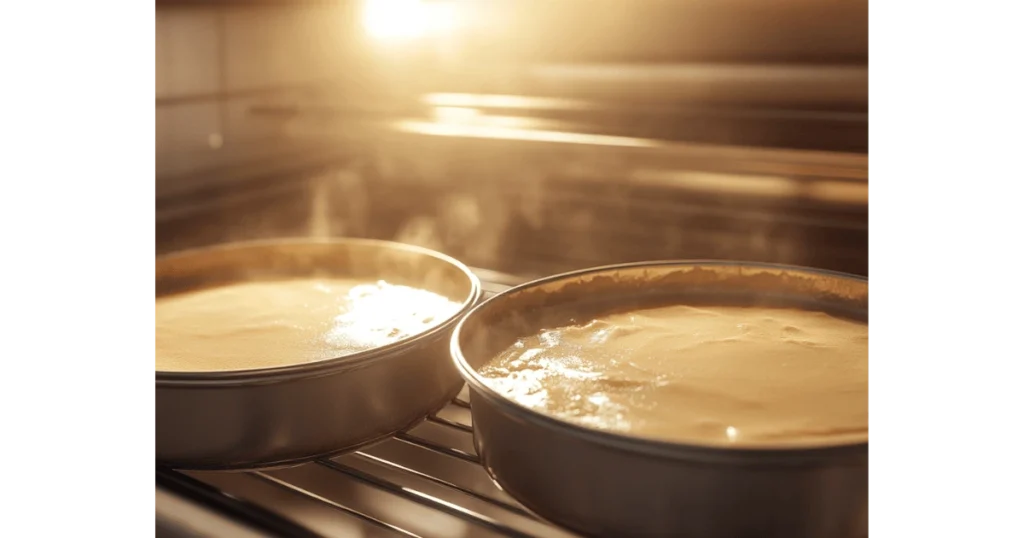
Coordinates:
<point>605,484</point>
<point>531,208</point>
<point>750,84</point>
<point>184,518</point>
<point>277,416</point>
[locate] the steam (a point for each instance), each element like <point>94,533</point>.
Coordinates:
<point>462,226</point>
<point>561,207</point>
<point>339,205</point>
<point>471,226</point>
<point>422,231</point>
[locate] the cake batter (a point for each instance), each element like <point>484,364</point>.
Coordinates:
<point>736,376</point>
<point>277,323</point>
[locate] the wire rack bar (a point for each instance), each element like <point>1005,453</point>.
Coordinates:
<point>340,507</point>
<point>450,423</point>
<point>439,481</point>
<point>250,513</point>
<point>437,447</point>
<point>422,498</point>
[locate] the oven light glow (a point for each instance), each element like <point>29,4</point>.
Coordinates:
<point>449,114</point>
<point>407,19</point>
<point>475,130</point>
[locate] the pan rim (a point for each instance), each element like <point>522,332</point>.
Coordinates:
<point>751,454</point>
<point>276,374</point>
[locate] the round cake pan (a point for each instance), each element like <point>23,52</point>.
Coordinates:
<point>600,483</point>
<point>285,415</point>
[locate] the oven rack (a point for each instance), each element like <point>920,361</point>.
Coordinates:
<point>427,482</point>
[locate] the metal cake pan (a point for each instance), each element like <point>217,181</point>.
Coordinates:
<point>601,483</point>
<point>286,415</point>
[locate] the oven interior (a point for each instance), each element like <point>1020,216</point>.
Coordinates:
<point>524,138</point>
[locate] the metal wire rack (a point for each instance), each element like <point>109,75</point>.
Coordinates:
<point>422,483</point>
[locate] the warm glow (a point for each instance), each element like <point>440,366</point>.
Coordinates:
<point>464,116</point>
<point>407,19</point>
<point>440,128</point>
<point>446,114</point>
<point>502,101</point>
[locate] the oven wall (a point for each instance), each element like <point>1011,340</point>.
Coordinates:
<point>227,172</point>
<point>213,64</point>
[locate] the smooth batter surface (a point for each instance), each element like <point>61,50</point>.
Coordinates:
<point>276,323</point>
<point>728,375</point>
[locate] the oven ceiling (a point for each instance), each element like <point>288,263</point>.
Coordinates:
<point>660,31</point>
